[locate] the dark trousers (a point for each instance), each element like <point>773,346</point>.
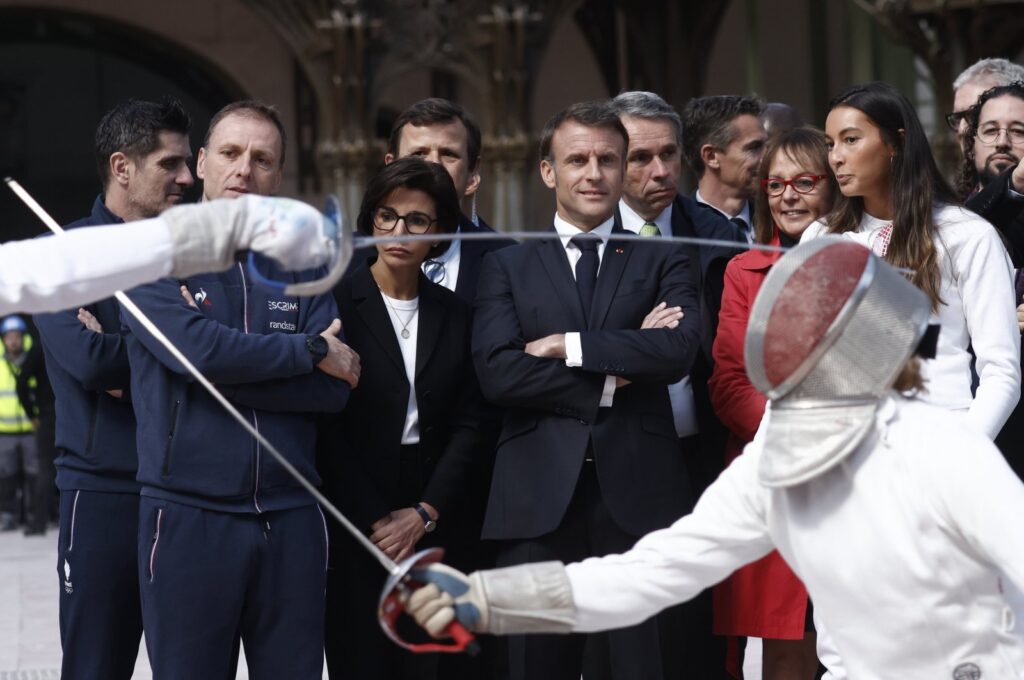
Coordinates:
<point>40,491</point>
<point>211,579</point>
<point>648,651</point>
<point>100,615</point>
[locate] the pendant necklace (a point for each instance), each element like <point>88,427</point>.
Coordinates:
<point>405,325</point>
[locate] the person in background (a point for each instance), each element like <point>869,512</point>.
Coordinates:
<point>19,461</point>
<point>36,396</point>
<point>982,75</point>
<point>765,599</point>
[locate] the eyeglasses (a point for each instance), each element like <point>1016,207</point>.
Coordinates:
<point>953,119</point>
<point>386,219</point>
<point>990,134</point>
<point>802,184</point>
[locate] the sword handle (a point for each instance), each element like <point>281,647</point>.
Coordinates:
<point>464,640</point>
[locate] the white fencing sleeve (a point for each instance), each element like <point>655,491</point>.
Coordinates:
<point>726,530</point>
<point>84,265</point>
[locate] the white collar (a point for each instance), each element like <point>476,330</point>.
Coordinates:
<point>566,230</point>
<point>631,221</point>
<point>743,214</point>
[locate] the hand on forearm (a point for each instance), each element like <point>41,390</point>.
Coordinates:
<point>550,347</point>
<point>662,316</point>
<point>398,537</point>
<point>341,361</point>
<point>1017,178</point>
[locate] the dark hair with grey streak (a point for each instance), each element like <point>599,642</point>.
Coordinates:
<point>133,128</point>
<point>589,114</point>
<point>413,173</point>
<point>434,111</point>
<point>249,108</point>
<point>708,120</point>
<point>649,106</point>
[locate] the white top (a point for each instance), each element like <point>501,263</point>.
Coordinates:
<point>573,348</point>
<point>404,314</point>
<point>978,310</point>
<point>82,266</point>
<point>680,394</point>
<point>900,546</point>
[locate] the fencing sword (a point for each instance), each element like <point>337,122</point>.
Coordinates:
<point>399,582</point>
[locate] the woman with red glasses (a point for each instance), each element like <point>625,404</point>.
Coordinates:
<point>765,599</point>
<point>895,201</point>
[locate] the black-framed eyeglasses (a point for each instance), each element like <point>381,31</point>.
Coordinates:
<point>435,271</point>
<point>386,219</point>
<point>953,119</point>
<point>989,135</point>
<point>802,184</point>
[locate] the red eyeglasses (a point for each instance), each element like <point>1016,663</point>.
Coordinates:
<point>802,184</point>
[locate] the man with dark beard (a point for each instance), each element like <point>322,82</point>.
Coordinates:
<point>992,181</point>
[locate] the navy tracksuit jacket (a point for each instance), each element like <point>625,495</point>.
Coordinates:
<point>251,343</point>
<point>100,613</point>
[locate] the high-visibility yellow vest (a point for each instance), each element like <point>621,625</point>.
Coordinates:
<point>13,419</point>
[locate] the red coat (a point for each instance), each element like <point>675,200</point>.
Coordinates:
<point>764,599</point>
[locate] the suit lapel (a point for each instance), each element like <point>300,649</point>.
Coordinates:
<point>613,263</point>
<point>553,258</point>
<point>375,315</point>
<point>431,323</point>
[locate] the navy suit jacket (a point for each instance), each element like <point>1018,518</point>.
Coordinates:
<point>552,414</point>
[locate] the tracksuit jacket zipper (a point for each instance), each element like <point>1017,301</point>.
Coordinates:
<point>255,421</point>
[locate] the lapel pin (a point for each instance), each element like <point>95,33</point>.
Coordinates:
<point>619,251</point>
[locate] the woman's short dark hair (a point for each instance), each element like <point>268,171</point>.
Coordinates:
<point>806,146</point>
<point>413,173</point>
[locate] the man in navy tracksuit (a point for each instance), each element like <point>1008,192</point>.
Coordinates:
<point>231,548</point>
<point>142,151</point>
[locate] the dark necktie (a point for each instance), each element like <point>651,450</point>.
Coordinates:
<point>586,269</point>
<point>743,226</point>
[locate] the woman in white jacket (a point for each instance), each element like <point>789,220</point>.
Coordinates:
<point>896,202</point>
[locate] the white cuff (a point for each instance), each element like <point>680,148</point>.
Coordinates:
<point>608,395</point>
<point>573,350</point>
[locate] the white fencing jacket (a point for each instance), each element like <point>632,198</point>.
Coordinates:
<point>900,546</point>
<point>82,266</point>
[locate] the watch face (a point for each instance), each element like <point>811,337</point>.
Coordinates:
<point>430,526</point>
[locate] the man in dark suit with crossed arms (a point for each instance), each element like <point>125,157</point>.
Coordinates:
<point>569,336</point>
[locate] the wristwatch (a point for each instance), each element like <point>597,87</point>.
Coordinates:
<point>428,523</point>
<point>317,347</point>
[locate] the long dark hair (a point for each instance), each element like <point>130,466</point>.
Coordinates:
<point>917,184</point>
<point>806,146</point>
<point>413,173</point>
<point>968,178</point>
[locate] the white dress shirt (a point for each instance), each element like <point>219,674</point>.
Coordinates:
<point>684,409</point>
<point>449,260</point>
<point>573,347</point>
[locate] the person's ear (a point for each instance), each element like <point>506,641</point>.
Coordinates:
<point>709,156</point>
<point>389,158</point>
<point>119,167</point>
<point>201,163</point>
<point>474,181</point>
<point>547,173</point>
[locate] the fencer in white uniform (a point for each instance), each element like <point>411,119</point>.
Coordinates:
<point>898,518</point>
<point>87,264</point>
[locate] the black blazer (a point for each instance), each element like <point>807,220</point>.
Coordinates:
<point>472,255</point>
<point>1005,212</point>
<point>360,447</point>
<point>552,412</point>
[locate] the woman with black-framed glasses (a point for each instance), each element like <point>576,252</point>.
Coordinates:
<point>398,459</point>
<point>765,599</point>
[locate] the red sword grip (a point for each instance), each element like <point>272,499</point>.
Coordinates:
<point>463,638</point>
